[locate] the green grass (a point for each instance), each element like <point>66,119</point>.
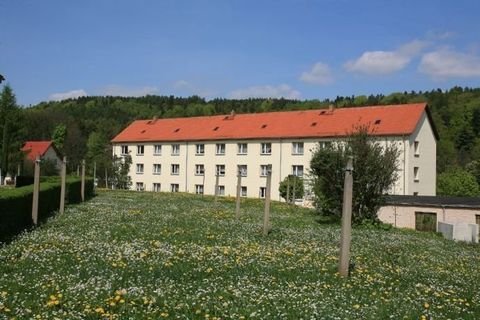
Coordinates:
<point>126,255</point>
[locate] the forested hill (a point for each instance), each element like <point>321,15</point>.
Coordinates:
<point>92,121</point>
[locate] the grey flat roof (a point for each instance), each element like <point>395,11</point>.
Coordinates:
<point>434,201</point>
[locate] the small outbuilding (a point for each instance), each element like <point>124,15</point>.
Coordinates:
<point>43,149</point>
<point>423,213</point>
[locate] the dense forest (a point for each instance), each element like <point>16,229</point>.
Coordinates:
<point>83,127</point>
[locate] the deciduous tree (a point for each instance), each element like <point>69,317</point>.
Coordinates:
<point>375,172</point>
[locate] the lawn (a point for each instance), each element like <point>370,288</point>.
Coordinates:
<point>127,255</point>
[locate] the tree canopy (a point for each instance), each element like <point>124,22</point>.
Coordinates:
<point>374,173</point>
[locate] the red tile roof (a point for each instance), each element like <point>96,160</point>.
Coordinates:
<point>36,148</point>
<point>388,120</point>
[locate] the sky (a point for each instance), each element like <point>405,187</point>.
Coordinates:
<point>298,49</point>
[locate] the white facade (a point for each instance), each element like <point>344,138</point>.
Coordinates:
<point>190,166</point>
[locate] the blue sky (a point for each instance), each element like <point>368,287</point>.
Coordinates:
<point>300,49</point>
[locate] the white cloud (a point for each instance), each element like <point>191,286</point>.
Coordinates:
<point>116,90</point>
<point>446,63</point>
<point>319,74</point>
<point>386,62</point>
<point>67,95</point>
<point>267,91</point>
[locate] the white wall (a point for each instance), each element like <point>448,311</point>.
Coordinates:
<point>282,159</point>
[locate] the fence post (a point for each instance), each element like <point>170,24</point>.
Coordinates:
<point>82,192</point>
<point>36,190</point>
<point>288,190</point>
<point>346,235</point>
<point>239,189</point>
<point>294,196</point>
<point>217,177</point>
<point>266,215</point>
<point>62,190</point>
<point>94,174</point>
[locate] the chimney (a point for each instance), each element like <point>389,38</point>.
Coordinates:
<point>232,114</point>
<point>330,108</point>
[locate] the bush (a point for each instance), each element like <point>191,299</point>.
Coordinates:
<point>292,181</point>
<point>16,204</point>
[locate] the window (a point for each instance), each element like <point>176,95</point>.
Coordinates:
<point>140,150</point>
<point>124,150</point>
<point>264,168</point>
<point>263,192</point>
<point>243,191</point>
<point>157,168</point>
<point>416,149</point>
<point>175,149</point>
<point>157,149</point>
<point>221,190</point>
<point>139,186</point>
<point>297,171</point>
<point>199,169</point>
<point>242,148</point>
<point>426,221</point>
<point>174,187</point>
<point>220,148</point>
<point>220,170</point>
<point>139,168</point>
<point>200,149</point>
<point>416,174</point>
<point>242,170</point>
<point>297,148</point>
<point>175,169</point>
<point>266,148</point>
<point>156,187</point>
<point>199,189</point>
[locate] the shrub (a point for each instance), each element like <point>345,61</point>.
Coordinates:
<point>16,204</point>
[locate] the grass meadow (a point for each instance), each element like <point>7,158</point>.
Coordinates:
<point>128,255</point>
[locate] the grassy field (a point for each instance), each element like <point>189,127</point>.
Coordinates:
<point>126,255</point>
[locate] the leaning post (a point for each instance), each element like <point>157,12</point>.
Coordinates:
<point>266,215</point>
<point>36,190</point>
<point>346,235</point>
<point>83,181</point>
<point>63,186</point>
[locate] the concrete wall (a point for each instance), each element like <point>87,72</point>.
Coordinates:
<point>424,159</point>
<point>404,216</point>
<point>52,155</point>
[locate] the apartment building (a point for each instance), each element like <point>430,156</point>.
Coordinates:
<point>186,154</point>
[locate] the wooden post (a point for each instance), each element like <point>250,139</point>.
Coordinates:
<point>94,174</point>
<point>239,190</point>
<point>19,170</point>
<point>82,191</point>
<point>346,235</point>
<point>266,215</point>
<point>78,170</point>
<point>106,179</point>
<point>288,190</point>
<point>294,188</point>
<point>63,186</point>
<point>203,182</point>
<point>36,190</point>
<point>217,177</point>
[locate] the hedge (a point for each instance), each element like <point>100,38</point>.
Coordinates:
<point>16,204</point>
